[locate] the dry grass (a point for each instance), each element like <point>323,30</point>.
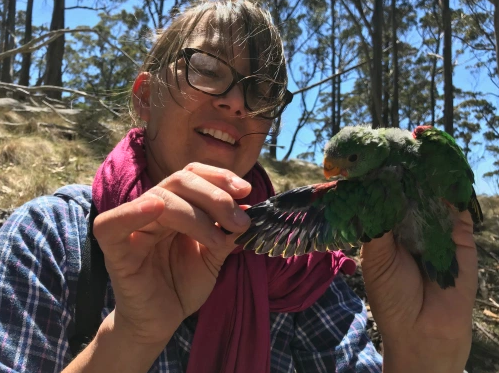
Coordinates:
<point>291,174</point>
<point>37,160</point>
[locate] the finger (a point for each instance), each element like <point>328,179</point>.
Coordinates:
<point>226,231</point>
<point>466,254</point>
<point>214,201</point>
<point>378,253</point>
<point>116,225</point>
<point>224,179</point>
<point>184,217</point>
<point>464,218</point>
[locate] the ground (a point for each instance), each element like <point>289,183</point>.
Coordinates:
<point>40,152</point>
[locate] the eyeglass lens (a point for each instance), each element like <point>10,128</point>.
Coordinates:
<point>213,76</point>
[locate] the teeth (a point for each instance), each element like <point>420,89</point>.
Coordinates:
<point>223,136</point>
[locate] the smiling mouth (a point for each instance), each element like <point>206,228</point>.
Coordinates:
<point>218,135</point>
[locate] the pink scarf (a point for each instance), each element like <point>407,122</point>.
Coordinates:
<point>233,328</point>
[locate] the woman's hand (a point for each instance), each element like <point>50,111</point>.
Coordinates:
<point>163,250</point>
<point>424,328</point>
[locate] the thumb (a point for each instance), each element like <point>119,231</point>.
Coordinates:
<point>378,255</point>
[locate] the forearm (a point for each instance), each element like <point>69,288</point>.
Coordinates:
<point>430,357</point>
<point>115,350</point>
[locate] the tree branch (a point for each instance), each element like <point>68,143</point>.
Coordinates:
<point>39,42</point>
<point>84,7</point>
<point>335,75</point>
<point>363,40</point>
<point>367,24</point>
<point>57,113</point>
<point>28,90</point>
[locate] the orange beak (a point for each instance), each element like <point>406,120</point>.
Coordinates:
<point>330,170</point>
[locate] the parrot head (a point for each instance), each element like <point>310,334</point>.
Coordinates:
<point>355,151</point>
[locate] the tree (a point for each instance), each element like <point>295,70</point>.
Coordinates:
<point>28,34</point>
<point>448,69</point>
<point>496,31</point>
<point>55,51</point>
<point>394,113</point>
<point>103,65</point>
<point>9,40</point>
<point>377,63</point>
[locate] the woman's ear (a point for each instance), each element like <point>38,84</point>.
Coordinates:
<point>141,96</point>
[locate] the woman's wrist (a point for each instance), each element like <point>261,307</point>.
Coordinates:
<point>116,349</point>
<point>429,355</point>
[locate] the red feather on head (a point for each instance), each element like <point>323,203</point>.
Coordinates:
<point>419,130</point>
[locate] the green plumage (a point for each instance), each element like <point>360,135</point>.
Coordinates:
<point>392,180</point>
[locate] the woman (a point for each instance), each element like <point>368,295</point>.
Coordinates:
<point>181,298</point>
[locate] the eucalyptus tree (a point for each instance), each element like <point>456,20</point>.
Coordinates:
<point>24,75</point>
<point>288,16</point>
<point>9,25</point>
<point>104,64</point>
<point>55,50</point>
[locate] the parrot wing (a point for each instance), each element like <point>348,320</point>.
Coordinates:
<point>446,171</point>
<point>322,217</point>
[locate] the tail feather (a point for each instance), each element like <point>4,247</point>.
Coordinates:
<point>475,209</point>
<point>444,278</point>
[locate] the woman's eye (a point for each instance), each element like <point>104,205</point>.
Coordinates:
<point>209,73</point>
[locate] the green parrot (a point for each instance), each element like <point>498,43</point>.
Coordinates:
<point>386,179</point>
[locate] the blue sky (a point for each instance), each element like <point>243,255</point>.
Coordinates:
<point>481,162</point>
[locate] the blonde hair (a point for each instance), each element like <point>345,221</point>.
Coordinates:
<point>255,30</point>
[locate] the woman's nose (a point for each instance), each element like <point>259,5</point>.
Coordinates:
<point>232,101</point>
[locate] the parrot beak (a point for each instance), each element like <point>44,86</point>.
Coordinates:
<point>330,170</point>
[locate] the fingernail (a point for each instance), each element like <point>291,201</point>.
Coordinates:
<point>239,183</point>
<point>147,206</point>
<point>240,217</point>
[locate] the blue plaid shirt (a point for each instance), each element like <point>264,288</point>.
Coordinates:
<point>40,260</point>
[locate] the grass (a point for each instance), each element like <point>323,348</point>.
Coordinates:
<point>291,174</point>
<point>37,158</point>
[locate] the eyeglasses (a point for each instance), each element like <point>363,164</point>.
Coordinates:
<point>209,74</point>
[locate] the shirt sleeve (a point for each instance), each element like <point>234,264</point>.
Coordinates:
<point>40,256</point>
<point>330,336</point>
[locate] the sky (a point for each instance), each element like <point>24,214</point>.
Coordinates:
<point>481,161</point>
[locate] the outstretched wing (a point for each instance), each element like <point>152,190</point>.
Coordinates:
<point>446,171</point>
<point>290,223</point>
<point>322,217</point>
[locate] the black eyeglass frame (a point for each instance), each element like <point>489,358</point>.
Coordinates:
<point>237,78</point>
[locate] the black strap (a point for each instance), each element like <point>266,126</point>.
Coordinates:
<point>91,290</point>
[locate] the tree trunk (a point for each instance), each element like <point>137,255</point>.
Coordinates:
<point>433,88</point>
<point>448,88</point>
<point>28,33</point>
<point>386,92</point>
<point>3,24</point>
<point>334,125</point>
<point>377,71</point>
<point>8,42</point>
<point>338,94</point>
<point>55,51</point>
<point>293,140</point>
<point>395,66</point>
<point>273,140</point>
<point>496,32</point>
<point>273,137</point>
<point>161,16</point>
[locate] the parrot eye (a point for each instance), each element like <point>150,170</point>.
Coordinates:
<point>352,158</point>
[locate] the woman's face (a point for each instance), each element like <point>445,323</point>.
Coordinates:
<point>180,121</point>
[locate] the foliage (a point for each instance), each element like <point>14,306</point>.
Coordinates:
<point>95,63</point>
